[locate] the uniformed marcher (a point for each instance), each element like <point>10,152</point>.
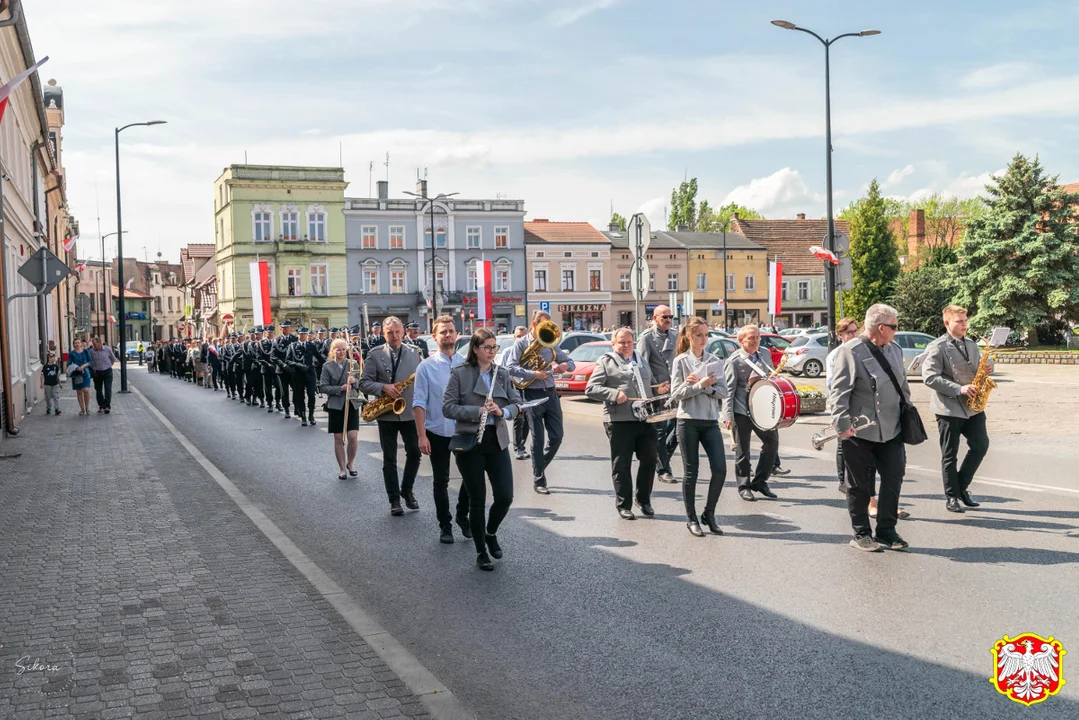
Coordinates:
<point>412,329</point>
<point>301,363</point>
<point>284,371</point>
<point>253,366</point>
<point>656,347</point>
<point>374,339</point>
<point>322,351</point>
<point>268,366</point>
<point>741,366</point>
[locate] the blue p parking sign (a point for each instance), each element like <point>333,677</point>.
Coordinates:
<point>545,306</point>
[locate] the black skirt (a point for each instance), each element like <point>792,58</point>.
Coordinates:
<point>337,419</point>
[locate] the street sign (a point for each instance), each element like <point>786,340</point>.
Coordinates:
<point>44,270</point>
<point>842,243</point>
<point>82,310</point>
<point>545,306</point>
<point>639,234</point>
<point>639,290</point>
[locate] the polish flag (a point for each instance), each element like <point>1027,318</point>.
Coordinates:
<point>485,309</point>
<point>80,267</point>
<point>7,88</point>
<point>823,254</point>
<point>775,288</point>
<point>128,286</point>
<point>69,243</point>
<point>260,292</point>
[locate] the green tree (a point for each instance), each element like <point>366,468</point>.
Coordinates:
<point>618,220</point>
<point>874,257</point>
<point>709,220</point>
<point>1018,262</point>
<point>919,297</point>
<point>683,206</point>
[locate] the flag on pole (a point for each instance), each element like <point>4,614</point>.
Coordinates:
<point>485,309</point>
<point>7,88</point>
<point>80,267</point>
<point>775,288</point>
<point>128,285</point>
<point>260,292</point>
<point>824,254</point>
<point>69,243</point>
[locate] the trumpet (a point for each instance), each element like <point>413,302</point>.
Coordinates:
<point>831,433</point>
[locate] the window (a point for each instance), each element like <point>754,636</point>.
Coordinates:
<point>397,237</point>
<point>473,242</point>
<point>567,253</point>
<point>397,281</point>
<point>263,227</point>
<point>471,278</point>
<point>369,237</point>
<point>539,280</point>
<point>823,291</point>
<point>651,282</point>
<point>672,282</point>
<point>594,253</point>
<point>595,280</point>
<point>623,282</point>
<point>803,289</point>
<point>502,279</point>
<point>157,305</point>
<point>370,277</point>
<point>320,280</point>
<point>502,237</point>
<point>786,291</point>
<point>295,282</point>
<point>702,282</point>
<point>93,298</point>
<point>751,282</point>
<point>541,253</point>
<point>170,303</point>
<point>730,282</point>
<point>440,238</point>
<point>567,280</point>
<point>316,227</point>
<point>290,225</point>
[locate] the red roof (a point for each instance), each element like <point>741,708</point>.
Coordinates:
<point>545,231</point>
<point>790,240</point>
<point>129,293</point>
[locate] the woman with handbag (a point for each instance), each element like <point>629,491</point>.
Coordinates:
<point>336,383</point>
<point>78,369</point>
<point>481,392</point>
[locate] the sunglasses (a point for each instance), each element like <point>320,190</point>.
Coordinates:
<point>665,317</point>
<point>892,327</point>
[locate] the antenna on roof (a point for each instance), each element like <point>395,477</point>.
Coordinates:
<point>387,167</point>
<point>370,175</point>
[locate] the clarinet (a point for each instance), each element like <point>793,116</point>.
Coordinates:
<point>485,412</point>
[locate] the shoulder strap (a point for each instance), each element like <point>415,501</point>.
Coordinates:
<point>887,366</point>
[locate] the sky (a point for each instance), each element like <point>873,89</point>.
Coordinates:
<point>574,106</point>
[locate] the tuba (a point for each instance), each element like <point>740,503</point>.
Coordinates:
<point>982,382</point>
<point>548,335</point>
<point>385,404</point>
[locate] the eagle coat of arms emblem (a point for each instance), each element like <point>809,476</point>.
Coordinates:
<point>1028,668</point>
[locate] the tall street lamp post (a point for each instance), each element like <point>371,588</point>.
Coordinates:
<point>829,273</point>
<point>120,313</point>
<point>442,197</point>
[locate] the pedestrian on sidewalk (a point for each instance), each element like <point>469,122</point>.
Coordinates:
<point>79,361</point>
<point>103,359</point>
<point>50,383</point>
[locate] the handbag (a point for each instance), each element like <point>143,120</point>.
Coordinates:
<point>462,442</point>
<point>910,421</point>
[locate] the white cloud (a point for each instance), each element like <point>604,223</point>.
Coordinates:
<point>966,185</point>
<point>569,15</point>
<point>781,194</point>
<point>999,74</point>
<point>897,176</point>
<point>655,210</point>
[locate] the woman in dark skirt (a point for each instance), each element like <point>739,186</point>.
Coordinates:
<point>336,381</point>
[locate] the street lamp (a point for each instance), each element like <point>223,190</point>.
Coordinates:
<point>104,289</point>
<point>829,242</point>
<point>434,289</point>
<point>120,253</point>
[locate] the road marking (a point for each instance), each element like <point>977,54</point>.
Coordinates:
<point>439,700</point>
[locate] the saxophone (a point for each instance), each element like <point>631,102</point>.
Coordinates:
<point>982,383</point>
<point>381,406</point>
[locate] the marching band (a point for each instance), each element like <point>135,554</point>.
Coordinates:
<point>437,403</point>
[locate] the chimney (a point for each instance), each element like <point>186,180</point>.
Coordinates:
<point>734,216</point>
<point>383,190</point>
<point>421,188</point>
<point>613,227</point>
<point>801,216</point>
<point>683,228</point>
<point>915,232</point>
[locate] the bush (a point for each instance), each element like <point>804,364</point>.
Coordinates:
<point>1052,332</point>
<point>920,296</point>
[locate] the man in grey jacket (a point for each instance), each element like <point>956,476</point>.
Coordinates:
<point>386,365</point>
<point>741,366</point>
<point>655,347</point>
<point>951,362</point>
<point>861,386</point>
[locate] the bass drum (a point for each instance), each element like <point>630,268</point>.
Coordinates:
<point>774,403</point>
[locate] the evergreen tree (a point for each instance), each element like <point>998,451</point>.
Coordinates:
<point>618,220</point>
<point>1019,260</point>
<point>683,206</point>
<point>874,257</point>
<point>919,297</point>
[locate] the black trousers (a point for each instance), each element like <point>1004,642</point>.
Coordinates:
<point>388,430</point>
<point>666,443</point>
<point>215,374</point>
<point>440,468</point>
<point>956,481</point>
<point>284,382</point>
<point>629,439</point>
<point>520,431</point>
<point>303,383</point>
<point>546,416</point>
<point>743,431</point>
<point>864,459</point>
<point>254,384</point>
<point>270,387</point>
<point>487,457</point>
<point>103,387</point>
<point>693,435</point>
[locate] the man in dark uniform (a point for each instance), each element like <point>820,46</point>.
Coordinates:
<point>212,357</point>
<point>268,366</point>
<point>374,339</point>
<point>412,332</point>
<point>322,349</point>
<point>283,370</point>
<point>254,368</point>
<point>301,361</point>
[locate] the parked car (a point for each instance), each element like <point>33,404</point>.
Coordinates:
<point>609,335</point>
<point>504,342</point>
<point>913,344</point>
<point>131,349</point>
<point>584,357</point>
<point>432,344</point>
<point>793,332</point>
<point>570,340</point>
<point>806,354</point>
<point>721,347</point>
<point>776,344</point>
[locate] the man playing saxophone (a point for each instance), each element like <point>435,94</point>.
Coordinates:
<point>387,366</point>
<point>549,414</point>
<point>951,370</point>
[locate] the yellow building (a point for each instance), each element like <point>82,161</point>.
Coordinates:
<point>746,277</point>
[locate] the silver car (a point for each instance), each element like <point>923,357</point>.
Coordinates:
<point>806,354</point>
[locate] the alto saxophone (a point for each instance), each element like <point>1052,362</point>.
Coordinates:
<point>982,383</point>
<point>385,404</point>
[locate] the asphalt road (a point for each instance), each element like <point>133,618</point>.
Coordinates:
<point>591,616</point>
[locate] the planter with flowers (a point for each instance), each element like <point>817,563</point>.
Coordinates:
<point>813,400</point>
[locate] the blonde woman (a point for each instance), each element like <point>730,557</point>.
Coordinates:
<point>336,384</point>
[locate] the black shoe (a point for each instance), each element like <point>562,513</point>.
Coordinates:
<point>965,497</point>
<point>626,514</point>
<point>483,562</point>
<point>646,509</point>
<point>746,494</point>
<point>762,488</point>
<point>303,422</point>
<point>446,536</point>
<point>694,527</point>
<point>777,470</point>
<point>410,501</point>
<point>311,420</point>
<point>269,409</point>
<point>396,509</point>
<point>892,541</point>
<point>494,547</point>
<point>709,519</point>
<point>287,416</point>
<point>541,489</point>
<point>953,505</point>
<point>466,528</point>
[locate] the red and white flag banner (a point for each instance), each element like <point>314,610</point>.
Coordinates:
<point>824,254</point>
<point>775,288</point>
<point>485,307</point>
<point>260,292</point>
<point>69,243</point>
<point>7,88</point>
<point>80,267</point>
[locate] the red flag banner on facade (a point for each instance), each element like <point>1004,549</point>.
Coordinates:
<point>80,267</point>
<point>7,88</point>
<point>69,243</point>
<point>260,292</point>
<point>775,288</point>
<point>485,308</point>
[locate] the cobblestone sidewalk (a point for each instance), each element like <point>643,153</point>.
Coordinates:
<point>132,586</point>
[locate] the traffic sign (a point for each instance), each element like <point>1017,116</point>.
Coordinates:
<point>545,306</point>
<point>639,234</point>
<point>639,288</point>
<point>44,270</point>
<point>82,310</point>
<point>842,243</point>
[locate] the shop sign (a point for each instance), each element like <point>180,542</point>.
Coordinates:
<point>499,299</point>
<point>519,310</point>
<point>581,308</point>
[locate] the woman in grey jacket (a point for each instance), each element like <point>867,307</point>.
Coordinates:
<point>698,387</point>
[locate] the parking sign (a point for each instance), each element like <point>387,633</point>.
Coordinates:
<point>545,306</point>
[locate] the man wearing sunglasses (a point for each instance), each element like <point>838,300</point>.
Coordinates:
<point>656,348</point>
